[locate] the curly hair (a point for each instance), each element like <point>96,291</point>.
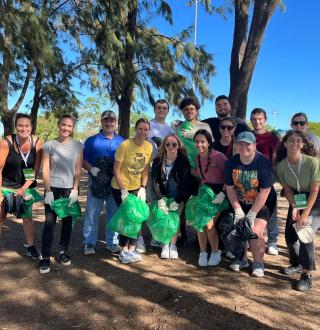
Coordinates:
<point>307,149</point>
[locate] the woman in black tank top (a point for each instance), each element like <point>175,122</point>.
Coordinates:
<point>19,152</point>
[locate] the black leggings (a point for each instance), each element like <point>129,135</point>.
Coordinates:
<point>123,240</point>
<point>50,223</point>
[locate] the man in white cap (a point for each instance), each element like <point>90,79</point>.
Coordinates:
<point>102,145</point>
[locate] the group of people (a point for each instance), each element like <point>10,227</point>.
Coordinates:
<point>162,161</point>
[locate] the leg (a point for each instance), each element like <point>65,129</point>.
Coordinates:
<point>273,232</point>
<point>292,241</point>
<point>257,246</point>
<point>48,231</point>
<point>203,240</point>
<point>212,234</point>
<point>65,234</point>
<point>110,236</point>
<point>28,228</point>
<point>3,215</point>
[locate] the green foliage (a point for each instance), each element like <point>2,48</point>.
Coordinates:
<point>314,128</point>
<point>47,127</point>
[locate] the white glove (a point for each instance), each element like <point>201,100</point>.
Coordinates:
<point>124,194</point>
<point>238,214</point>
<point>94,171</point>
<point>188,134</point>
<point>163,206</point>
<point>219,198</point>
<point>142,194</point>
<point>175,124</point>
<point>48,199</point>
<point>174,206</point>
<point>73,197</point>
<point>251,215</point>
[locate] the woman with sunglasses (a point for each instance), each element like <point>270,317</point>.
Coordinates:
<point>20,159</point>
<point>299,122</point>
<point>210,168</point>
<point>61,167</point>
<point>170,178</point>
<point>131,167</point>
<point>226,143</point>
<point>299,174</point>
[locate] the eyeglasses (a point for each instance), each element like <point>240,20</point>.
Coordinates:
<point>226,126</point>
<point>173,144</point>
<point>296,123</point>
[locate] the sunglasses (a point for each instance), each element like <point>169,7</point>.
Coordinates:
<point>226,126</point>
<point>296,123</point>
<point>173,144</point>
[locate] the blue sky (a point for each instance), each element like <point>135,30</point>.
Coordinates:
<point>287,74</point>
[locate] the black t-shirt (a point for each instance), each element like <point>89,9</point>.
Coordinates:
<point>226,150</point>
<point>215,122</point>
<point>248,179</point>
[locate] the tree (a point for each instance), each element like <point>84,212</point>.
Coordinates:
<point>135,60</point>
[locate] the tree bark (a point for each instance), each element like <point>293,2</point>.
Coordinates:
<point>36,100</point>
<point>240,79</point>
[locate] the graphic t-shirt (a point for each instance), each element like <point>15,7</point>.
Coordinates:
<point>267,144</point>
<point>134,159</point>
<point>248,179</point>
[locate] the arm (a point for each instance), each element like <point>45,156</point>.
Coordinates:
<point>4,151</point>
<point>314,189</point>
<point>232,196</point>
<point>117,174</point>
<point>155,181</point>
<point>77,175</point>
<point>46,171</point>
<point>145,175</point>
<point>260,200</point>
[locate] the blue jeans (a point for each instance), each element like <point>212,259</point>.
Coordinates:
<point>91,218</point>
<point>273,227</point>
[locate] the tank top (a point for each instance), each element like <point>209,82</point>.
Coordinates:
<point>12,173</point>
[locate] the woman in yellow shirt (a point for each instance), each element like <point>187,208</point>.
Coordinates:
<point>131,168</point>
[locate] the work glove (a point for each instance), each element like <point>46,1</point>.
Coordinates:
<point>142,194</point>
<point>251,215</point>
<point>163,206</point>
<point>219,198</point>
<point>238,214</point>
<point>124,194</point>
<point>94,171</point>
<point>73,197</point>
<point>188,134</point>
<point>174,206</point>
<point>48,198</point>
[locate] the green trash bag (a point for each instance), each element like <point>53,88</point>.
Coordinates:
<point>63,210</point>
<point>188,143</point>
<point>200,210</point>
<point>163,226</point>
<point>128,219</point>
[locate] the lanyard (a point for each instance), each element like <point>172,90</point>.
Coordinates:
<point>24,157</point>
<point>294,174</point>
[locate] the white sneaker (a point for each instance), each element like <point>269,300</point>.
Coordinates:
<point>257,269</point>
<point>203,259</point>
<point>272,250</point>
<point>140,247</point>
<point>215,258</point>
<point>155,243</point>
<point>230,255</point>
<point>165,253</point>
<point>135,256</point>
<point>89,249</point>
<point>173,251</point>
<point>239,264</point>
<point>113,248</point>
<point>125,257</point>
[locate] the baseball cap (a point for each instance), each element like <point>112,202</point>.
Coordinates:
<point>246,137</point>
<point>108,114</point>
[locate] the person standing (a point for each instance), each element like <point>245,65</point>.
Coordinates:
<point>102,145</point>
<point>20,159</point>
<point>267,143</point>
<point>131,170</point>
<point>62,162</point>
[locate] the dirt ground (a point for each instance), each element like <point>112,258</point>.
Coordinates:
<point>100,292</point>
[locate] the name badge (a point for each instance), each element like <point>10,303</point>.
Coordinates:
<point>29,174</point>
<point>300,201</point>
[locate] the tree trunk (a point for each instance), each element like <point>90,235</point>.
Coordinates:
<point>240,78</point>
<point>7,118</point>
<point>36,101</point>
<point>124,116</point>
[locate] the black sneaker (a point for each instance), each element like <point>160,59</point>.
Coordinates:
<point>291,270</point>
<point>44,266</point>
<point>32,251</point>
<point>305,282</point>
<point>64,259</point>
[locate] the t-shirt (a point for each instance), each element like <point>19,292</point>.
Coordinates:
<point>134,159</point>
<point>309,173</point>
<point>100,145</point>
<point>226,150</point>
<point>249,179</point>
<point>63,159</point>
<point>214,124</point>
<point>214,172</point>
<point>267,144</point>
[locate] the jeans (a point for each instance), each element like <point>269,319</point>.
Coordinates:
<point>273,227</point>
<point>50,223</point>
<point>91,218</point>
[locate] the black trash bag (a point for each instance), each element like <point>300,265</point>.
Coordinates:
<point>14,205</point>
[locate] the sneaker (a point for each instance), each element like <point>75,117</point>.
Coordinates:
<point>155,243</point>
<point>305,282</point>
<point>89,249</point>
<point>32,251</point>
<point>272,250</point>
<point>257,269</point>
<point>113,248</point>
<point>125,257</point>
<point>44,266</point>
<point>64,259</point>
<point>165,253</point>
<point>173,251</point>
<point>291,270</point>
<point>203,259</point>
<point>215,258</point>
<point>229,255</point>
<point>135,256</point>
<point>140,247</point>
<point>237,265</point>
